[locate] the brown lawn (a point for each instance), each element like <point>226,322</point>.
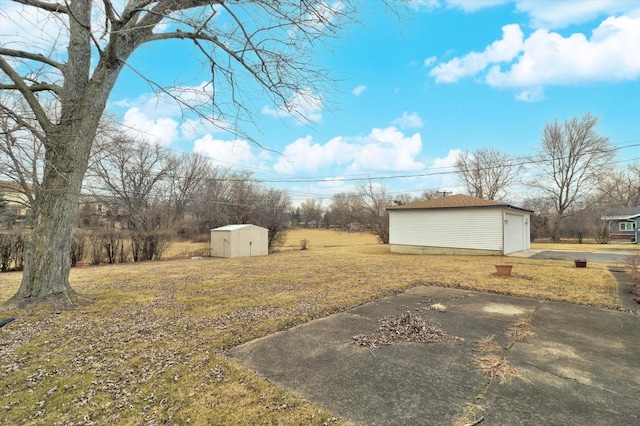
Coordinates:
<point>151,347</point>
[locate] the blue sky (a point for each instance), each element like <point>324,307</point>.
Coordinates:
<point>449,76</point>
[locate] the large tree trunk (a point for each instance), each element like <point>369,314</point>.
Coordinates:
<point>555,228</point>
<point>47,253</point>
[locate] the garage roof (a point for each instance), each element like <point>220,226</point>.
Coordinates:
<point>455,202</point>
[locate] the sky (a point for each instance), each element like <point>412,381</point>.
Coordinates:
<point>414,90</point>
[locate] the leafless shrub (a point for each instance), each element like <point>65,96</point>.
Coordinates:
<point>124,252</point>
<point>304,244</point>
<point>633,263</point>
<point>78,247</point>
<point>11,251</point>
<point>96,248</point>
<point>149,245</point>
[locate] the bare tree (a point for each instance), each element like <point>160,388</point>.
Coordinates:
<point>259,44</point>
<point>573,158</point>
<point>132,173</point>
<point>209,206</point>
<point>542,211</point>
<point>243,202</point>
<point>621,188</point>
<point>187,174</point>
<point>487,172</point>
<point>345,209</point>
<point>311,210</point>
<point>21,157</point>
<point>274,204</point>
<point>375,199</point>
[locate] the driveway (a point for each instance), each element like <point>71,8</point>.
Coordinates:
<point>578,365</point>
<point>598,256</point>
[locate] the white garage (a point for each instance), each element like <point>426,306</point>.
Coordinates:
<point>459,224</point>
<point>239,241</point>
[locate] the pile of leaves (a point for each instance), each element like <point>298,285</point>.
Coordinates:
<point>406,327</point>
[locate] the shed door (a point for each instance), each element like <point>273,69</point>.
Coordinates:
<point>513,233</point>
<point>244,248</point>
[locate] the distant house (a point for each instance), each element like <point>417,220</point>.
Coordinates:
<point>96,210</point>
<point>17,202</point>
<point>458,224</point>
<point>623,224</point>
<point>239,241</point>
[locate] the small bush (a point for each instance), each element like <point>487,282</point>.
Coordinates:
<point>96,248</point>
<point>11,251</point>
<point>633,263</point>
<point>149,245</point>
<point>78,247</point>
<point>304,244</point>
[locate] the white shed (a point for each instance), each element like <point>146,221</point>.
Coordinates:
<point>459,224</point>
<point>239,241</point>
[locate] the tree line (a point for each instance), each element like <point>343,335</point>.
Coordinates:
<point>54,93</point>
<point>573,180</point>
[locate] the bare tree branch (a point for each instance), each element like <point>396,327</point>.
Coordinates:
<point>50,7</point>
<point>573,158</point>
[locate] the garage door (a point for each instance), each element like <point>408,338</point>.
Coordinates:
<point>514,233</point>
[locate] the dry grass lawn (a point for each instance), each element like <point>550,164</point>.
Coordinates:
<point>151,348</point>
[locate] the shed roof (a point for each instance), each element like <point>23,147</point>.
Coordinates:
<point>457,201</point>
<point>236,227</point>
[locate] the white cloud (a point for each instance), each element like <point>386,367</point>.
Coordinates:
<point>358,90</point>
<point>31,29</point>
<point>388,149</point>
<point>534,94</point>
<point>503,50</point>
<point>560,14</point>
<point>553,14</point>
<point>474,5</point>
<point>447,163</point>
<point>159,118</point>
<point>548,58</point>
<point>305,106</point>
<point>440,166</point>
<point>430,61</point>
<point>236,152</point>
<point>194,127</point>
<point>305,155</point>
<point>162,130</point>
<point>423,4</point>
<point>408,121</point>
<point>382,149</point>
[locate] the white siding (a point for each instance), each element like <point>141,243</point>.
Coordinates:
<point>516,228</point>
<point>221,243</point>
<point>239,241</point>
<point>513,235</point>
<point>461,228</point>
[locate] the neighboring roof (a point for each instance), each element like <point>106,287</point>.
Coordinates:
<point>235,227</point>
<point>13,186</point>
<point>622,213</point>
<point>455,202</point>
